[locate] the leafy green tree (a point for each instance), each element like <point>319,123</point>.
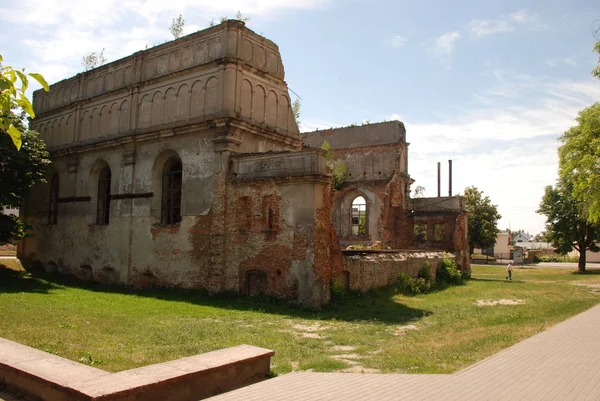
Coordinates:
<point>13,97</point>
<point>176,27</point>
<point>542,237</point>
<point>296,110</point>
<point>482,220</point>
<point>93,60</point>
<point>566,226</point>
<point>19,171</point>
<point>579,161</point>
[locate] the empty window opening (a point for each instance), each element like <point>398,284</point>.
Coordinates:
<point>359,216</point>
<point>53,206</point>
<point>439,232</point>
<point>171,199</point>
<point>420,232</point>
<point>103,206</point>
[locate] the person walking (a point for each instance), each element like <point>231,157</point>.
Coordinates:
<point>509,271</point>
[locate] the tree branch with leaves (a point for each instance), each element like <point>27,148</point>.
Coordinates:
<point>579,161</point>
<point>12,97</point>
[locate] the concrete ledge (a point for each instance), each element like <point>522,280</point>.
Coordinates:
<point>50,377</point>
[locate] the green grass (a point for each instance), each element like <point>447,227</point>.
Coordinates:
<point>117,329</point>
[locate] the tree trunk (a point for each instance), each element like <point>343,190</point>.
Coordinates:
<point>581,264</point>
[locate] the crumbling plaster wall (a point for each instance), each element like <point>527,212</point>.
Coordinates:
<point>293,249</point>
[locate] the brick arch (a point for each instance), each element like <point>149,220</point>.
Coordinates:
<point>124,116</point>
<point>197,99</point>
<point>341,213</point>
<point>97,167</point>
<point>145,111</point>
<point>157,179</point>
<point>271,108</point>
<point>183,102</point>
<point>246,98</point>
<point>170,105</point>
<point>258,103</point>
<point>158,105</point>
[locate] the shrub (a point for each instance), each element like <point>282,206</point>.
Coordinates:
<point>447,273</point>
<point>339,174</point>
<point>425,271</point>
<point>409,285</point>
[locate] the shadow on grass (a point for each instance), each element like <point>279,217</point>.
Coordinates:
<point>497,280</point>
<point>588,271</point>
<point>371,306</point>
<point>12,281</point>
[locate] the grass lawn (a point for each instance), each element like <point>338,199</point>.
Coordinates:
<point>118,329</point>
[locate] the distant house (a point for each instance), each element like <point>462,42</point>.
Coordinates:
<point>501,247</point>
<point>522,236</point>
<point>9,210</point>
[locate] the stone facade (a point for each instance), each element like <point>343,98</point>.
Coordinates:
<point>182,166</point>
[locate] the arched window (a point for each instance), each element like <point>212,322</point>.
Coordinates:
<point>171,191</point>
<point>359,216</point>
<point>53,206</point>
<point>103,206</point>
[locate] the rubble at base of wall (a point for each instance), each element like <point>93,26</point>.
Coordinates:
<point>368,270</point>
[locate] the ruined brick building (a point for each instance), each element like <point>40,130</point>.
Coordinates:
<point>182,165</point>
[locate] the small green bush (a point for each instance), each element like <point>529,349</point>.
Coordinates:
<point>409,285</point>
<point>339,174</point>
<point>425,271</point>
<point>556,258</point>
<point>447,273</point>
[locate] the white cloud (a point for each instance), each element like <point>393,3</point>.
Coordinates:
<point>506,23</point>
<point>59,34</point>
<point>524,17</point>
<point>444,45</point>
<point>398,41</point>
<point>570,60</point>
<point>507,151</point>
<point>482,28</point>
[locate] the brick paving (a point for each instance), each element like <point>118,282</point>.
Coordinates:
<point>561,363</point>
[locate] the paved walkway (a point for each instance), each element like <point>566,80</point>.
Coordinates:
<point>562,363</point>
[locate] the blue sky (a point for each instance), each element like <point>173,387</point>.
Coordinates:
<point>488,84</point>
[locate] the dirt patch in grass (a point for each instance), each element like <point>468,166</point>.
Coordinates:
<point>343,348</point>
<point>310,328</point>
<point>403,329</point>
<point>492,302</point>
<point>592,288</point>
